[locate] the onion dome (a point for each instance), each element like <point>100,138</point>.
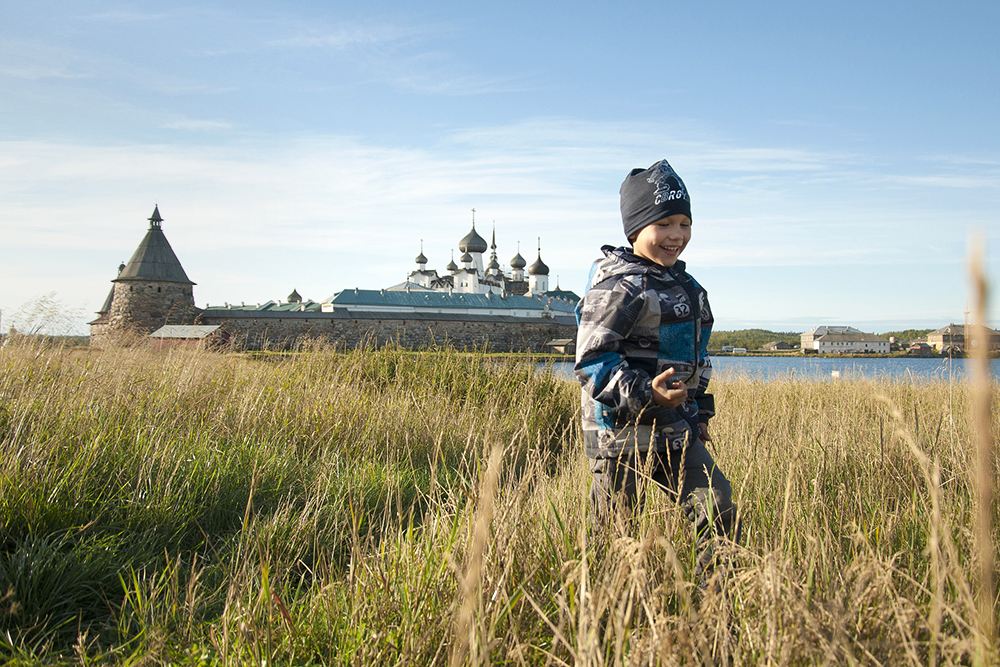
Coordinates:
<point>451,265</point>
<point>473,242</point>
<point>466,258</point>
<point>538,267</point>
<point>518,262</point>
<point>294,297</point>
<point>421,259</point>
<point>494,264</point>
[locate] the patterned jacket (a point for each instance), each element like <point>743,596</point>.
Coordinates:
<point>636,320</point>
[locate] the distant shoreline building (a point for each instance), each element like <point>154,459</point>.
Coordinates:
<point>842,340</point>
<point>953,338</point>
<point>476,305</point>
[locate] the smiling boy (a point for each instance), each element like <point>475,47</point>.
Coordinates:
<point>642,363</point>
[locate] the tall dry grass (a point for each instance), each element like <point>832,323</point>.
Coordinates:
<point>384,507</point>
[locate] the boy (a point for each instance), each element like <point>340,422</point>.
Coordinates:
<point>641,358</point>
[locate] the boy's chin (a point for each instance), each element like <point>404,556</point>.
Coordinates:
<point>665,262</point>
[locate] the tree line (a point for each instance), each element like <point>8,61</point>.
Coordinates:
<point>752,339</point>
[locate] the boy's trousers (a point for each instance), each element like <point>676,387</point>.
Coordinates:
<point>699,487</point>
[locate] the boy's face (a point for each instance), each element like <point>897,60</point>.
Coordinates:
<point>663,241</point>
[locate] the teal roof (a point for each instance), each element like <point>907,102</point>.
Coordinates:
<point>359,298</point>
<point>423,299</point>
<point>362,299</point>
<point>564,294</point>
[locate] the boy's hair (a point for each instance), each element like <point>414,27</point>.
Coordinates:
<point>648,195</point>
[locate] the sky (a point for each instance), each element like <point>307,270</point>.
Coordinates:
<point>840,156</point>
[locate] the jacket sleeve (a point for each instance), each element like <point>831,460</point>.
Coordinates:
<point>705,401</point>
<point>706,406</point>
<point>606,316</point>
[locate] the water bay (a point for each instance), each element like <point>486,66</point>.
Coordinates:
<point>830,368</point>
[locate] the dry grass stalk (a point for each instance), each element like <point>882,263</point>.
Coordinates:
<point>982,427</point>
<point>470,636</point>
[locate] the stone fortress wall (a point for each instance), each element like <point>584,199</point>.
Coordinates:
<point>411,331</point>
<point>153,290</point>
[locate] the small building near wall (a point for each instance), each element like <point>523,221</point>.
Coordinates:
<point>190,337</point>
<point>562,345</point>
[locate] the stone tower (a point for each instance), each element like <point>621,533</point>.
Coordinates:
<point>150,291</point>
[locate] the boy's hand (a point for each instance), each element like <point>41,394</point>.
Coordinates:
<point>665,392</point>
<point>705,437</point>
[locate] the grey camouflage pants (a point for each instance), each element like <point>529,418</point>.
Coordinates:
<point>690,477</point>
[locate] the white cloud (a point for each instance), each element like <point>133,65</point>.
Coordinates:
<point>252,220</point>
<point>347,35</point>
<point>34,61</point>
<point>127,16</point>
<point>193,124</point>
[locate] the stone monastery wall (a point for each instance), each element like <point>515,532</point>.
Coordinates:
<point>153,290</point>
<point>522,335</point>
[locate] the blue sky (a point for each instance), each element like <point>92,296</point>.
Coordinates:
<point>837,156</point>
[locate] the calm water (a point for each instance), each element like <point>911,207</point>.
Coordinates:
<point>826,368</point>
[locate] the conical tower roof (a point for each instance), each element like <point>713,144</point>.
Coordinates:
<point>106,308</point>
<point>154,259</point>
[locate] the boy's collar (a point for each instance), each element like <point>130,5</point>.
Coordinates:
<point>678,267</point>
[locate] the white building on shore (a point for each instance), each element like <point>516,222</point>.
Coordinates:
<point>843,340</point>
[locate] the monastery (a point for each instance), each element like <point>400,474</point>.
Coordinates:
<point>474,305</point>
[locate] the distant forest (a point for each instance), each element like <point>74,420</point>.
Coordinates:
<point>752,339</point>
<point>907,335</point>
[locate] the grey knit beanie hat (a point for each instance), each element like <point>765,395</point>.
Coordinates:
<point>652,194</point>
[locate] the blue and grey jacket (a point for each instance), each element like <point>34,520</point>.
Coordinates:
<point>636,320</point>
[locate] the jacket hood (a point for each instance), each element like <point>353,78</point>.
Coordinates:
<point>622,261</point>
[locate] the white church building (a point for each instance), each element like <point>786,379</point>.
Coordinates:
<point>474,275</point>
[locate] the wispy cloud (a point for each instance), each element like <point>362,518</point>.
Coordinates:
<point>197,125</point>
<point>399,54</point>
<point>348,202</point>
<point>948,181</point>
<point>128,16</point>
<point>33,61</point>
<point>349,35</point>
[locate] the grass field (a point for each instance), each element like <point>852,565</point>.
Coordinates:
<point>382,507</point>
